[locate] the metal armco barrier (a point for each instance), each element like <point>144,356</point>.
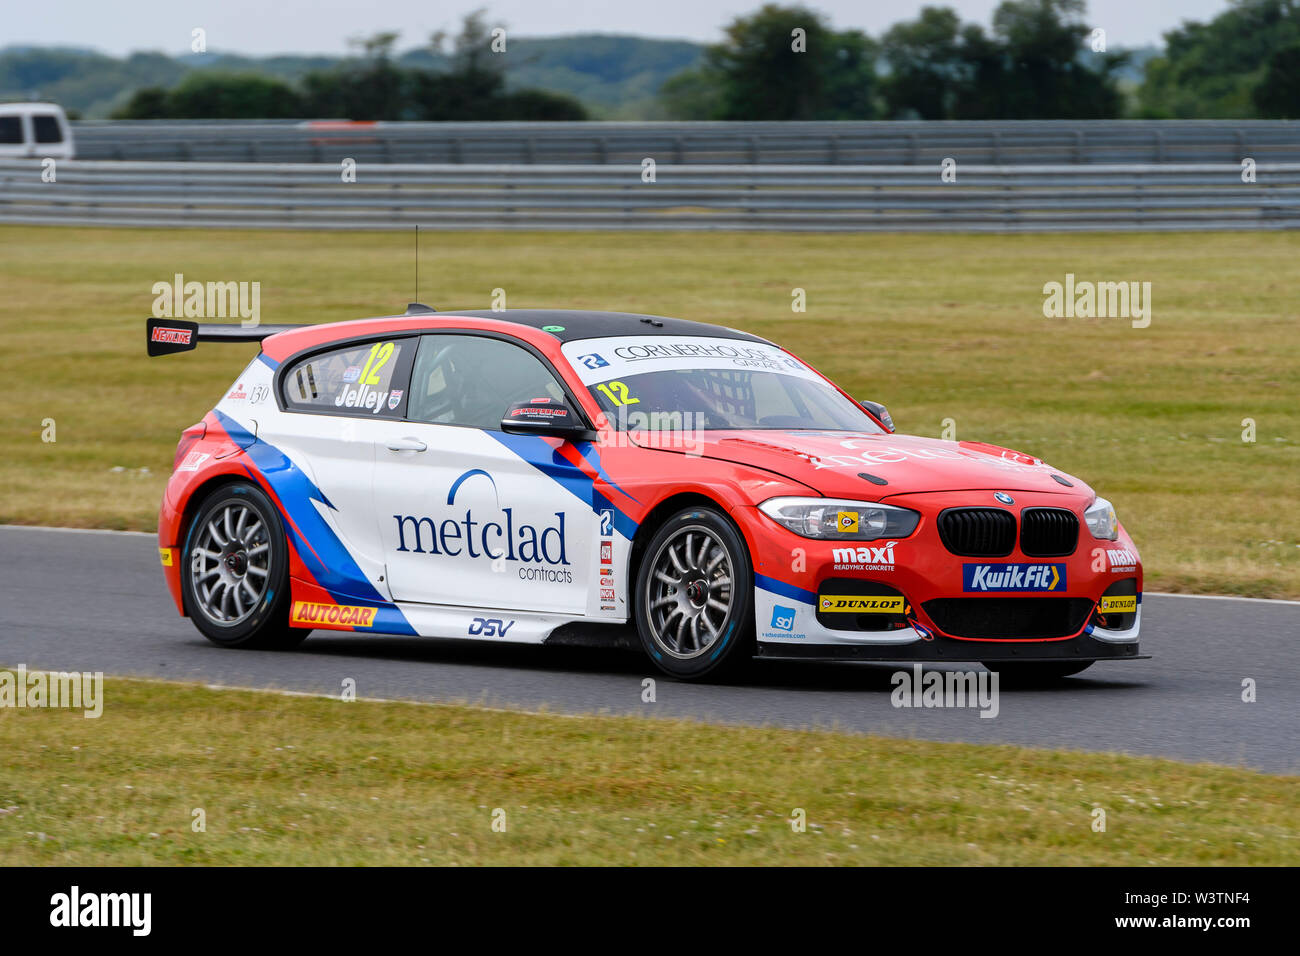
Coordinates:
<point>993,142</point>
<point>865,198</point>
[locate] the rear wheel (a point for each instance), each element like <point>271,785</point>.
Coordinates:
<point>694,596</point>
<point>1036,672</point>
<point>236,576</point>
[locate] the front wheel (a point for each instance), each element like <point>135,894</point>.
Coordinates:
<point>695,595</point>
<point>1036,672</point>
<point>236,576</point>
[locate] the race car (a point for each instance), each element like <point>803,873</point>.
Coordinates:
<point>547,475</point>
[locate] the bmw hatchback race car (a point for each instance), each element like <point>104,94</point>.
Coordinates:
<point>533,476</point>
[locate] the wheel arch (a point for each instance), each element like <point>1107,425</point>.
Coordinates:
<point>199,494</point>
<point>655,519</point>
<point>194,499</point>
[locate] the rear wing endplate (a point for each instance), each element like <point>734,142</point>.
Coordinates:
<point>165,336</point>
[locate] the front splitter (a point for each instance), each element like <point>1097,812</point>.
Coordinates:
<point>1081,648</point>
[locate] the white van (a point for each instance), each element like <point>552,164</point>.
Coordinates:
<point>34,130</point>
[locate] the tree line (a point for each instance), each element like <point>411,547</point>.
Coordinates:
<point>1038,59</point>
<point>370,86</point>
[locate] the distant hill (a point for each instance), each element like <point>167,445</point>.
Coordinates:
<point>615,77</point>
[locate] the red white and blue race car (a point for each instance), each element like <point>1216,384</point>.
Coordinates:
<point>526,476</point>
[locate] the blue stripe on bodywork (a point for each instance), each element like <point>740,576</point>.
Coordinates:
<point>319,547</point>
<point>547,459</point>
<point>269,362</point>
<point>785,590</point>
<point>592,457</point>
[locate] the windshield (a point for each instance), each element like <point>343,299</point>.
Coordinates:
<point>665,383</point>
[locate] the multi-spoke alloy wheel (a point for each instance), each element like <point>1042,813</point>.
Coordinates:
<point>694,593</point>
<point>690,594</point>
<point>230,564</point>
<point>236,575</point>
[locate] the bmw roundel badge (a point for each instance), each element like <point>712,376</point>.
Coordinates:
<point>1005,498</point>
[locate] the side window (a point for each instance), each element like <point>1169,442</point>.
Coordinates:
<point>364,379</point>
<point>11,130</point>
<point>472,380</point>
<point>46,128</point>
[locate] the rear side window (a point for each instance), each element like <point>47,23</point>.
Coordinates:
<point>367,379</point>
<point>11,129</point>
<point>47,129</point>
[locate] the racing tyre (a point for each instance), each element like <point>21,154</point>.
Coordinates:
<point>235,576</point>
<point>1028,673</point>
<point>694,596</point>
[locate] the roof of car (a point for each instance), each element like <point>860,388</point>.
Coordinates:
<point>570,324</point>
<point>564,325</point>
<point>11,108</point>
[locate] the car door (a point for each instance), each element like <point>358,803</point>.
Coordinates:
<point>469,515</point>
<point>331,400</point>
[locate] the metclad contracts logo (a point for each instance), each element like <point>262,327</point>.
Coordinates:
<point>500,536</point>
<point>1013,577</point>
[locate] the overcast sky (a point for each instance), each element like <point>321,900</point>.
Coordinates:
<point>324,26</point>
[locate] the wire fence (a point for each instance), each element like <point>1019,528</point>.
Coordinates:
<point>825,198</point>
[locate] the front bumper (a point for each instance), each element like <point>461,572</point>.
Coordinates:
<point>916,601</point>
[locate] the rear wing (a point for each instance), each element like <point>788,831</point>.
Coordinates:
<point>165,336</point>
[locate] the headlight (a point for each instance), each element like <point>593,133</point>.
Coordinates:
<point>1102,520</point>
<point>840,520</point>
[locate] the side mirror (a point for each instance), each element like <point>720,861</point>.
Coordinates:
<point>546,417</point>
<point>880,413</point>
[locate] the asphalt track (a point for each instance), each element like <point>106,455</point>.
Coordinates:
<point>92,601</point>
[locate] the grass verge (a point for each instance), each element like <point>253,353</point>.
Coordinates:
<point>299,780</point>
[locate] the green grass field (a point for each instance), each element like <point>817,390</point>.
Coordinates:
<point>938,327</point>
<point>294,780</point>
